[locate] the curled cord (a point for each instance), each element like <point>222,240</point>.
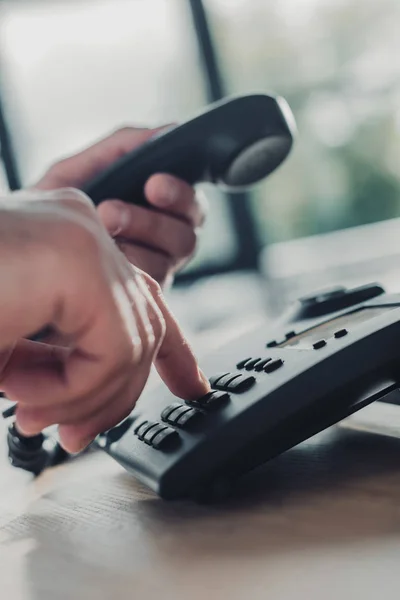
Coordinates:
<point>35,453</point>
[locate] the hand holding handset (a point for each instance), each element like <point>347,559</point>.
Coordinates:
<point>235,143</point>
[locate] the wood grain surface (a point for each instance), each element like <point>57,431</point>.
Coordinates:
<point>321,521</point>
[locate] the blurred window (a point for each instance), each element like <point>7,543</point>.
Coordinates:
<point>337,63</point>
<point>72,70</point>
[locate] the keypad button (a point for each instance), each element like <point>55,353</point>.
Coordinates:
<point>241,384</point>
<point>242,363</point>
<point>223,382</point>
<point>142,429</point>
<point>188,417</point>
<point>173,415</point>
<point>320,344</point>
<point>152,432</point>
<point>273,365</point>
<point>250,365</point>
<point>116,433</point>
<point>167,438</point>
<point>212,400</point>
<point>215,378</point>
<point>341,333</point>
<point>169,410</point>
<point>139,427</point>
<point>261,364</point>
<point>272,344</point>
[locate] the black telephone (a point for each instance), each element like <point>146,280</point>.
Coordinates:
<point>336,351</point>
<point>334,354</point>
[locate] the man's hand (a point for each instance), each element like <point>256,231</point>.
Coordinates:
<point>60,268</point>
<point>159,242</point>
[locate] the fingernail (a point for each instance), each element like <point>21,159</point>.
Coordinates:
<point>116,219</point>
<point>170,193</point>
<point>204,379</point>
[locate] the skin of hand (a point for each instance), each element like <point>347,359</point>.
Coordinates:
<point>60,268</point>
<point>159,242</point>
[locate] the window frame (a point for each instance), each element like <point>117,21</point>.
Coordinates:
<point>239,205</point>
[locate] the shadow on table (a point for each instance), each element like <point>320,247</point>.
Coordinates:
<point>341,487</point>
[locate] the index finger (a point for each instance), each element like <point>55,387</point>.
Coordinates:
<point>175,360</point>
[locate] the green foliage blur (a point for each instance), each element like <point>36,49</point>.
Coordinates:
<point>337,62</point>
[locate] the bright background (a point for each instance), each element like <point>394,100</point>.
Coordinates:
<point>72,70</point>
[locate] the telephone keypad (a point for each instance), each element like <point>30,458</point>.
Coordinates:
<point>212,400</point>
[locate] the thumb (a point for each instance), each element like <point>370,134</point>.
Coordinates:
<point>76,170</point>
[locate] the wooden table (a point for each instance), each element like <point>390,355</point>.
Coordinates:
<point>321,521</point>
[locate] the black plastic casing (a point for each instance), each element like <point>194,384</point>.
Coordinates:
<point>314,389</point>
